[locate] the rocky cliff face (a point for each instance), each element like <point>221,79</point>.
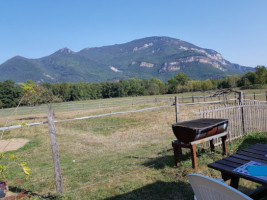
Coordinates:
<point>142,47</point>
<point>170,67</point>
<point>146,64</point>
<point>176,65</point>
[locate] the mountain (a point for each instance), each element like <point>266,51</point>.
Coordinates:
<point>159,57</point>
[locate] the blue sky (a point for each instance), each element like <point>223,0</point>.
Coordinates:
<point>35,28</point>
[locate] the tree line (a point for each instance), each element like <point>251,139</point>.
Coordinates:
<point>12,94</point>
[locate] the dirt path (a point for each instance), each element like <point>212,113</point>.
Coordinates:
<point>12,144</point>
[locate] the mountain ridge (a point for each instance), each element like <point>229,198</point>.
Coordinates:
<point>158,57</point>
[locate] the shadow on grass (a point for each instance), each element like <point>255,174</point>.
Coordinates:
<point>162,160</point>
<point>168,160</point>
<point>247,190</point>
<point>158,191</point>
<point>31,118</point>
<point>30,193</point>
<point>252,139</point>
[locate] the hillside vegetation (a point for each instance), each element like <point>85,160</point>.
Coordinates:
<point>10,94</point>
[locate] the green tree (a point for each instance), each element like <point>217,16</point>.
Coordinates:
<point>261,75</point>
<point>215,83</point>
<point>179,79</point>
<point>194,85</point>
<point>247,79</point>
<point>62,90</point>
<point>10,94</point>
<point>80,91</point>
<point>246,82</point>
<point>206,85</point>
<point>123,88</point>
<point>48,86</point>
<point>106,90</point>
<point>153,89</point>
<point>95,90</point>
<point>233,80</point>
<point>35,94</point>
<point>162,86</point>
<point>135,87</point>
<point>154,86</point>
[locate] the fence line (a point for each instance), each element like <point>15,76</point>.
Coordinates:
<point>109,114</point>
<point>254,117</point>
<point>107,103</point>
<point>85,117</point>
<point>96,104</point>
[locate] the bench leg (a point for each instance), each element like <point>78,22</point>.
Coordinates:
<point>177,150</point>
<point>194,156</point>
<point>234,182</point>
<point>212,145</point>
<point>224,145</point>
<point>234,179</point>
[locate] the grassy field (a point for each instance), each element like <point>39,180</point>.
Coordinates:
<point>126,156</point>
<point>126,102</point>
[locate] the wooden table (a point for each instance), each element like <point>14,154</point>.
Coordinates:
<point>255,153</point>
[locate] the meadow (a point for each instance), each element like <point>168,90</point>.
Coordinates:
<point>123,156</point>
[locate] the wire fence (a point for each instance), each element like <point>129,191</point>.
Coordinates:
<point>88,105</point>
<point>111,103</point>
<point>103,104</point>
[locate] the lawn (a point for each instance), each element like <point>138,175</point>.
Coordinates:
<point>126,156</point>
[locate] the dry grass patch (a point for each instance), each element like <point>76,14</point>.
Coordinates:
<point>12,144</point>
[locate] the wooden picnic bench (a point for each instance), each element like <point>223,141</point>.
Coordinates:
<point>177,147</point>
<point>227,166</point>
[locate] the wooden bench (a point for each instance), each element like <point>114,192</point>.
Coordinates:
<point>177,147</point>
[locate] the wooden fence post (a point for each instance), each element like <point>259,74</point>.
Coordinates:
<point>241,98</point>
<point>266,96</point>
<point>224,99</point>
<point>177,108</point>
<point>54,146</point>
<point>193,101</point>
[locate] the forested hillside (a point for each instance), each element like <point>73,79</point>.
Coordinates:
<point>11,93</point>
